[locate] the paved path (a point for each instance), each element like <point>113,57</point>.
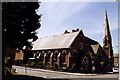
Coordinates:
<point>48,74</point>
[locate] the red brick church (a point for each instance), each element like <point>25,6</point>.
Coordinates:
<point>74,51</point>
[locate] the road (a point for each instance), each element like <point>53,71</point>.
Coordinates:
<point>48,74</point>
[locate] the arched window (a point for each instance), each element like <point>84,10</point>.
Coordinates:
<point>64,56</point>
<point>74,51</point>
<point>34,55</point>
<point>45,55</point>
<point>42,56</point>
<point>55,56</point>
<point>105,42</point>
<point>51,55</point>
<point>74,55</point>
<point>38,55</point>
<point>48,56</point>
<point>85,63</point>
<point>81,46</point>
<point>59,55</point>
<point>56,51</point>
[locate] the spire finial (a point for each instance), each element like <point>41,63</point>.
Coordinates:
<point>105,14</point>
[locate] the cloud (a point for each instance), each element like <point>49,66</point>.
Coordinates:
<point>54,14</point>
<point>57,14</point>
<point>59,11</point>
<point>99,28</point>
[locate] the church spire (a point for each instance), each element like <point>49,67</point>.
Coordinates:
<point>107,41</point>
<point>106,25</point>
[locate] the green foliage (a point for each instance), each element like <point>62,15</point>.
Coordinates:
<point>19,23</point>
<point>6,61</point>
<point>47,65</point>
<point>115,65</point>
<point>35,64</point>
<point>6,68</point>
<point>102,63</point>
<point>55,66</point>
<point>73,68</point>
<point>32,64</point>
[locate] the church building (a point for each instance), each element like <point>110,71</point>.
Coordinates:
<point>73,51</point>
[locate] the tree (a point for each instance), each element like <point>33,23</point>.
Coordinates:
<point>19,23</point>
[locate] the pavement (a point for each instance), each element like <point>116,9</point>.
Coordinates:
<point>49,74</point>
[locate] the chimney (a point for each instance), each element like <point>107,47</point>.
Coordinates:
<point>66,32</point>
<point>75,30</point>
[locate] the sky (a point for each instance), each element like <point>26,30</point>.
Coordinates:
<point>87,16</point>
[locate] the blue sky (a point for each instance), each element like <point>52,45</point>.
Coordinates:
<point>88,16</point>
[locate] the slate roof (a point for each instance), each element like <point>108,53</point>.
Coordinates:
<point>55,42</point>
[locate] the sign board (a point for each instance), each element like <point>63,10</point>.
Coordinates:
<point>19,55</point>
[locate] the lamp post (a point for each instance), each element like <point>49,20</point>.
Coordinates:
<point>27,48</point>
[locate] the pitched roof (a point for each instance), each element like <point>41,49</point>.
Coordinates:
<point>92,44</point>
<point>55,42</point>
<point>90,41</point>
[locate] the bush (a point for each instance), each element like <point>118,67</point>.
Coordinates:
<point>39,64</point>
<point>55,66</point>
<point>7,68</point>
<point>72,69</point>
<point>32,64</point>
<point>102,63</point>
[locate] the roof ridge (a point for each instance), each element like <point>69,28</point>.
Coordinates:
<point>58,35</point>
